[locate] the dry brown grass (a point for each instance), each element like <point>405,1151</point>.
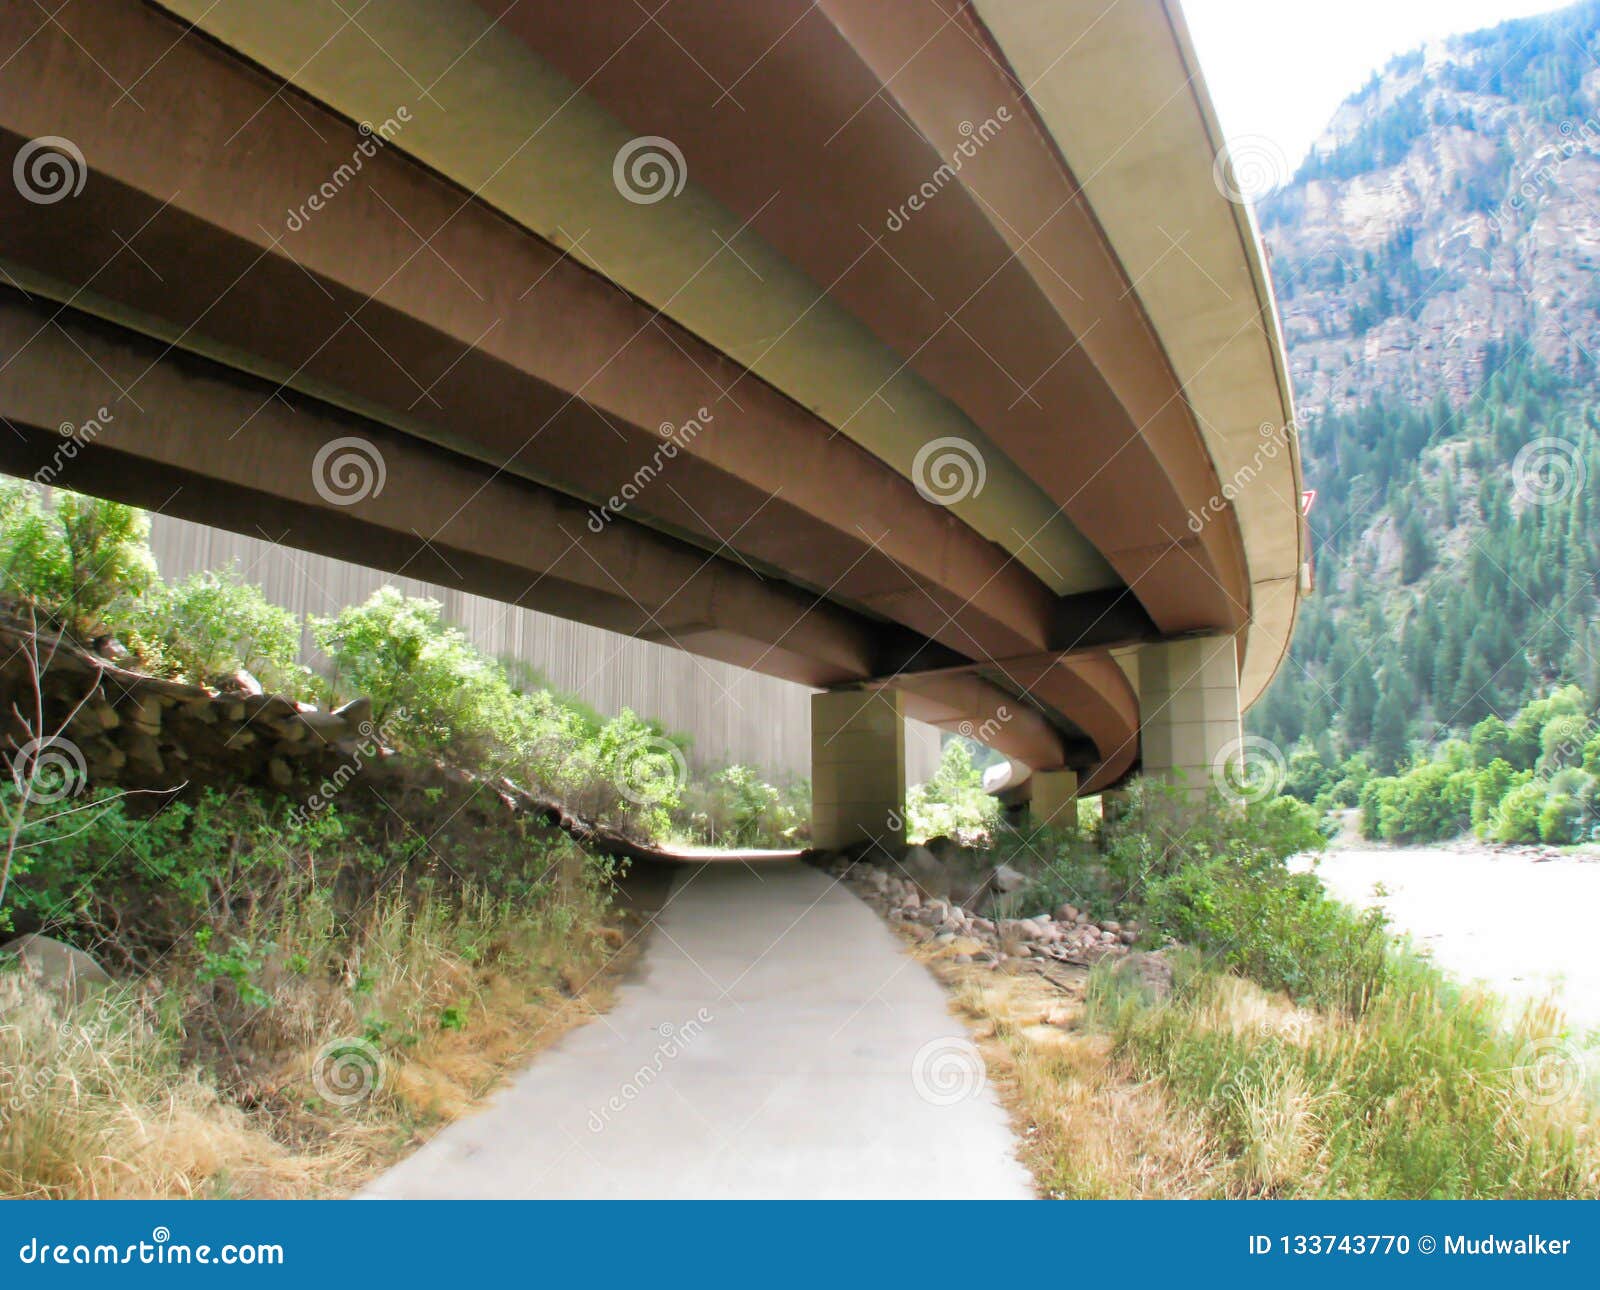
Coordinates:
<point>1092,1127</point>
<point>1232,1091</point>
<point>1087,1129</point>
<point>108,1101</point>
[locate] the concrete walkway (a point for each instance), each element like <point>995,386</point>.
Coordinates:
<point>777,1042</point>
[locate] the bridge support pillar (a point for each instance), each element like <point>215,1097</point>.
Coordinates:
<point>1188,709</point>
<point>858,769</point>
<point>1054,803</point>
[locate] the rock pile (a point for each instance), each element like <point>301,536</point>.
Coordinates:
<point>962,909</point>
<point>127,728</point>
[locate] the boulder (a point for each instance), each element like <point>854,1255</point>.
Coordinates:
<point>329,727</point>
<point>356,714</point>
<point>927,871</point>
<point>61,969</point>
<point>1150,972</point>
<point>238,684</point>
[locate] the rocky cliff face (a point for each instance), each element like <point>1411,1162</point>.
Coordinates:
<point>1450,212</point>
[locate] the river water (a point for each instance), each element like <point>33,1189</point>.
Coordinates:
<point>1527,928</point>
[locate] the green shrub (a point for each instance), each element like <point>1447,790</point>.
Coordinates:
<point>81,560</point>
<point>1489,787</point>
<point>953,803</point>
<point>429,686</point>
<point>738,808</point>
<point>1516,819</point>
<point>1213,874</point>
<point>1428,803</point>
<point>1280,929</point>
<point>214,623</point>
<point>1568,810</point>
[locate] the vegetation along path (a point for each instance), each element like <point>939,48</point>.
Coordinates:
<point>775,1042</point>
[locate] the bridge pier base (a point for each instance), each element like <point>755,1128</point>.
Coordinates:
<point>858,769</point>
<point>1188,709</point>
<point>1054,803</point>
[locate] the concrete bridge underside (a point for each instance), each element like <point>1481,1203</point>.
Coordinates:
<point>702,420</point>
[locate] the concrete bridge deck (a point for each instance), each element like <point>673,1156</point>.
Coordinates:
<point>775,1043</point>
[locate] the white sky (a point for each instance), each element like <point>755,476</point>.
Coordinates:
<point>1277,69</point>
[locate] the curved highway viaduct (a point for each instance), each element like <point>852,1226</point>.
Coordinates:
<point>912,352</point>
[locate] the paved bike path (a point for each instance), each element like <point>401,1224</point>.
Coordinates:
<point>776,1041</point>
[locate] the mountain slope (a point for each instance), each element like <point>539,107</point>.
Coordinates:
<point>1435,265</point>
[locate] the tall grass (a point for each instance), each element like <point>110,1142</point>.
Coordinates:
<point>298,1066</point>
<point>1432,1091</point>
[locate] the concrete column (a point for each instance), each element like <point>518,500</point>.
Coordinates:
<point>1054,803</point>
<point>1188,709</point>
<point>858,768</point>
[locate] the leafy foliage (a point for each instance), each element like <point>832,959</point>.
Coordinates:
<point>213,623</point>
<point>953,803</point>
<point>80,561</point>
<point>1534,779</point>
